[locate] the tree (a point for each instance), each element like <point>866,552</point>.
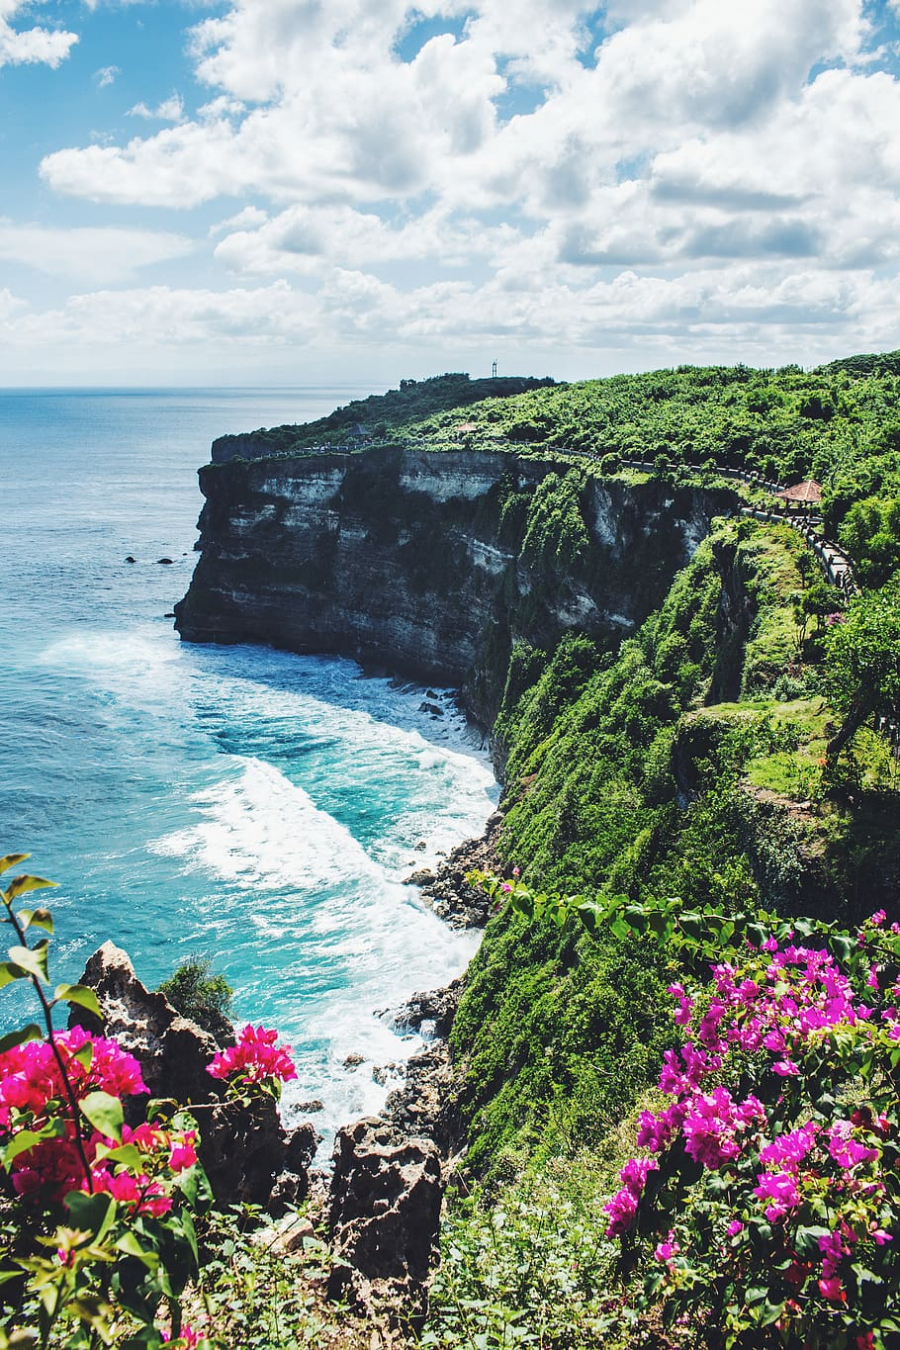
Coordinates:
<point>862,663</point>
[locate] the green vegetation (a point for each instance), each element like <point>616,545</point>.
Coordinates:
<point>198,994</point>
<point>380,415</point>
<point>862,668</point>
<point>715,776</point>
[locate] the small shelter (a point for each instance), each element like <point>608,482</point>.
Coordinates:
<point>802,496</point>
<point>466,428</point>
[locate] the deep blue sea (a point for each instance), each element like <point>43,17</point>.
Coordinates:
<point>255,806</point>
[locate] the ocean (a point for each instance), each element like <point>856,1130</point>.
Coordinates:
<point>250,805</point>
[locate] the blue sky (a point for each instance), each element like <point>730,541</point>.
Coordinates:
<point>299,191</point>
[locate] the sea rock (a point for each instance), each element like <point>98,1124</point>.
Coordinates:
<point>129,559</point>
<point>419,878</point>
<point>448,892</point>
<point>425,1105</point>
<point>166,562</point>
<point>384,1218</point>
<point>172,1051</point>
<point>431,1012</point>
<point>247,1154</point>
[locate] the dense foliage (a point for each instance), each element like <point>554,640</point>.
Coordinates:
<point>380,415</point>
<point>196,992</point>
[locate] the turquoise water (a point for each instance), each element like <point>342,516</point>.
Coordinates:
<point>253,805</point>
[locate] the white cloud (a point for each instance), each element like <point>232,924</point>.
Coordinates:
<point>104,254</point>
<point>106,76</point>
<point>308,240</point>
<point>171,109</point>
<point>251,217</point>
<point>30,46</point>
<point>761,308</point>
<point>730,173</point>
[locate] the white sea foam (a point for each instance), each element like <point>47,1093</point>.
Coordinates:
<point>352,941</point>
<point>304,793</point>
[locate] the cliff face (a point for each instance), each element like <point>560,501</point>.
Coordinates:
<point>425,562</point>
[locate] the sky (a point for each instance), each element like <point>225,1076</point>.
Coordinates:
<point>356,191</point>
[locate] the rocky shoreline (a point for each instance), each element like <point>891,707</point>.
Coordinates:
<point>382,1202</point>
<point>445,889</point>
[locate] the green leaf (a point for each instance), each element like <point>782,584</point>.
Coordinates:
<point>92,1213</point>
<point>80,994</point>
<point>9,972</point>
<point>30,1033</point>
<point>12,860</point>
<point>36,918</point>
<point>105,1114</point>
<point>21,885</point>
<point>126,1154</point>
<point>24,1140</point>
<point>129,1244</point>
<point>31,959</point>
<point>85,1056</point>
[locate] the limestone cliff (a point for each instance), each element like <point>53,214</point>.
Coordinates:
<point>425,562</point>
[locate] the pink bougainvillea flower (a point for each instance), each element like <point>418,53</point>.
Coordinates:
<point>139,1193</point>
<point>256,1056</point>
<point>846,1151</point>
<point>623,1205</point>
<point>666,1250</point>
<point>789,1150</point>
<point>780,1189</point>
<point>184,1152</point>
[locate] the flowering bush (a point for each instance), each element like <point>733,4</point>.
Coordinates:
<point>773,1198</point>
<point>103,1234</point>
<point>770,1207</point>
<point>257,1061</point>
<point>103,1244</point>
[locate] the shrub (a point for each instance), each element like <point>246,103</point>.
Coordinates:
<point>203,997</point>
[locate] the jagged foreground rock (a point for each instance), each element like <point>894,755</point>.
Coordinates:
<point>246,1153</point>
<point>384,1218</point>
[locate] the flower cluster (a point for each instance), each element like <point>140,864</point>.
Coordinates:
<point>785,1170</point>
<point>31,1081</point>
<point>256,1060</point>
<point>33,1094</point>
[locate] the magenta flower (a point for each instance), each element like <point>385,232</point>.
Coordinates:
<point>255,1058</point>
<point>666,1250</point>
<point>780,1189</point>
<point>844,1149</point>
<point>789,1150</point>
<point>623,1205</point>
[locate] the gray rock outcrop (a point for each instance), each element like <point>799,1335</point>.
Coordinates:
<point>384,1218</point>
